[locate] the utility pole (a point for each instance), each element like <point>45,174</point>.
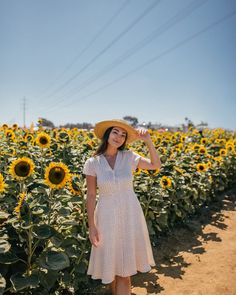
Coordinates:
<point>24,110</point>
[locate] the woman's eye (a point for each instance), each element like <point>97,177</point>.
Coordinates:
<point>115,132</point>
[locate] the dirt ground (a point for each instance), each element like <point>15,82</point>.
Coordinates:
<point>198,258</point>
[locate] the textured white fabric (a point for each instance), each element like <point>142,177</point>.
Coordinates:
<point>124,246</point>
<point>89,168</point>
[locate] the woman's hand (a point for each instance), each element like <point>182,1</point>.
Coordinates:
<point>143,134</point>
<point>94,235</point>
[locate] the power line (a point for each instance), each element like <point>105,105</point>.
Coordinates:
<point>155,58</point>
<point>178,17</point>
<point>109,45</point>
<point>92,41</point>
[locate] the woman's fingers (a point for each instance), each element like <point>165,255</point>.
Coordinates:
<point>95,239</point>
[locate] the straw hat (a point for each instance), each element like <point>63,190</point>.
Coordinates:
<point>102,126</point>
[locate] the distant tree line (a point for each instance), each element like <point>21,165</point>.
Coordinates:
<point>130,119</point>
<point>49,124</point>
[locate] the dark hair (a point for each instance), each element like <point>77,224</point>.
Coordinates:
<point>104,142</point>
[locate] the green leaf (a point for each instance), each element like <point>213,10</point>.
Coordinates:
<point>64,211</point>
<point>19,282</point>
<point>47,280</point>
<point>8,258</point>
<point>151,215</point>
<point>57,239</point>
<point>43,231</point>
<point>4,246</point>
<point>81,268</point>
<point>54,260</point>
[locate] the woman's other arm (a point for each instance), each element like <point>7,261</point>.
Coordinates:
<point>154,162</point>
<point>90,205</point>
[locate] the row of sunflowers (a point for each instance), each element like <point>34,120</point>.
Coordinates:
<point>44,245</point>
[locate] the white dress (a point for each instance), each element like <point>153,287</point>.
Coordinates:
<point>124,247</point>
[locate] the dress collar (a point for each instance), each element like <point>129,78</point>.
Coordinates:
<point>116,161</point>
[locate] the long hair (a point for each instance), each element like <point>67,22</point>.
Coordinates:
<point>104,142</point>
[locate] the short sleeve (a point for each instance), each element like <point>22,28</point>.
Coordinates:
<point>89,167</point>
<point>134,160</point>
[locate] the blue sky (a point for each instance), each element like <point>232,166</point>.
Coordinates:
<point>72,67</point>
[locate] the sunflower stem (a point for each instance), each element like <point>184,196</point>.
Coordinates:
<point>149,198</point>
<point>84,214</point>
<point>30,241</point>
<point>41,162</point>
<point>64,153</point>
<point>80,258</point>
<point>22,186</point>
<point>50,206</point>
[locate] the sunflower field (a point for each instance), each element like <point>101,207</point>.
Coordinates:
<point>44,244</point>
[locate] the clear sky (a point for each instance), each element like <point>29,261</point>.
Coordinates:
<point>91,60</point>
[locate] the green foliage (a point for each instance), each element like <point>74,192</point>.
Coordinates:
<point>44,248</point>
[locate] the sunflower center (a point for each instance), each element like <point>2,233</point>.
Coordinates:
<point>56,175</point>
<point>165,182</point>
<point>22,169</point>
<point>201,167</point>
<point>43,140</point>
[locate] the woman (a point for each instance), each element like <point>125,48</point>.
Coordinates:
<point>117,227</point>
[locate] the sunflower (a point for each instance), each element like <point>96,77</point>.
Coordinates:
<point>220,141</point>
<point>202,150</point>
<point>179,146</point>
<point>14,126</point>
<point>152,172</point>
<point>43,140</point>
<point>181,171</point>
<point>2,184</point>
<point>165,182</point>
<point>209,165</point>
<point>223,152</point>
<point>29,137</point>
<point>56,175</point>
<point>74,186</point>
<point>5,126</point>
<point>204,140</point>
<point>137,171</point>
<point>196,147</point>
<point>91,143</point>
<point>63,137</point>
<point>20,202</point>
<point>183,138</point>
<point>22,168</point>
<point>10,151</point>
<point>218,159</point>
<point>187,150</point>
<point>202,167</point>
<point>178,150</point>
<point>230,146</point>
<point>10,134</point>
<point>22,144</point>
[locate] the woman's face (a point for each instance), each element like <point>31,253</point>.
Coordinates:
<point>117,137</point>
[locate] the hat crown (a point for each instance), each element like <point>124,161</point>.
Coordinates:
<point>101,127</point>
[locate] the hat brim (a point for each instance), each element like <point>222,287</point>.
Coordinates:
<point>101,127</point>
